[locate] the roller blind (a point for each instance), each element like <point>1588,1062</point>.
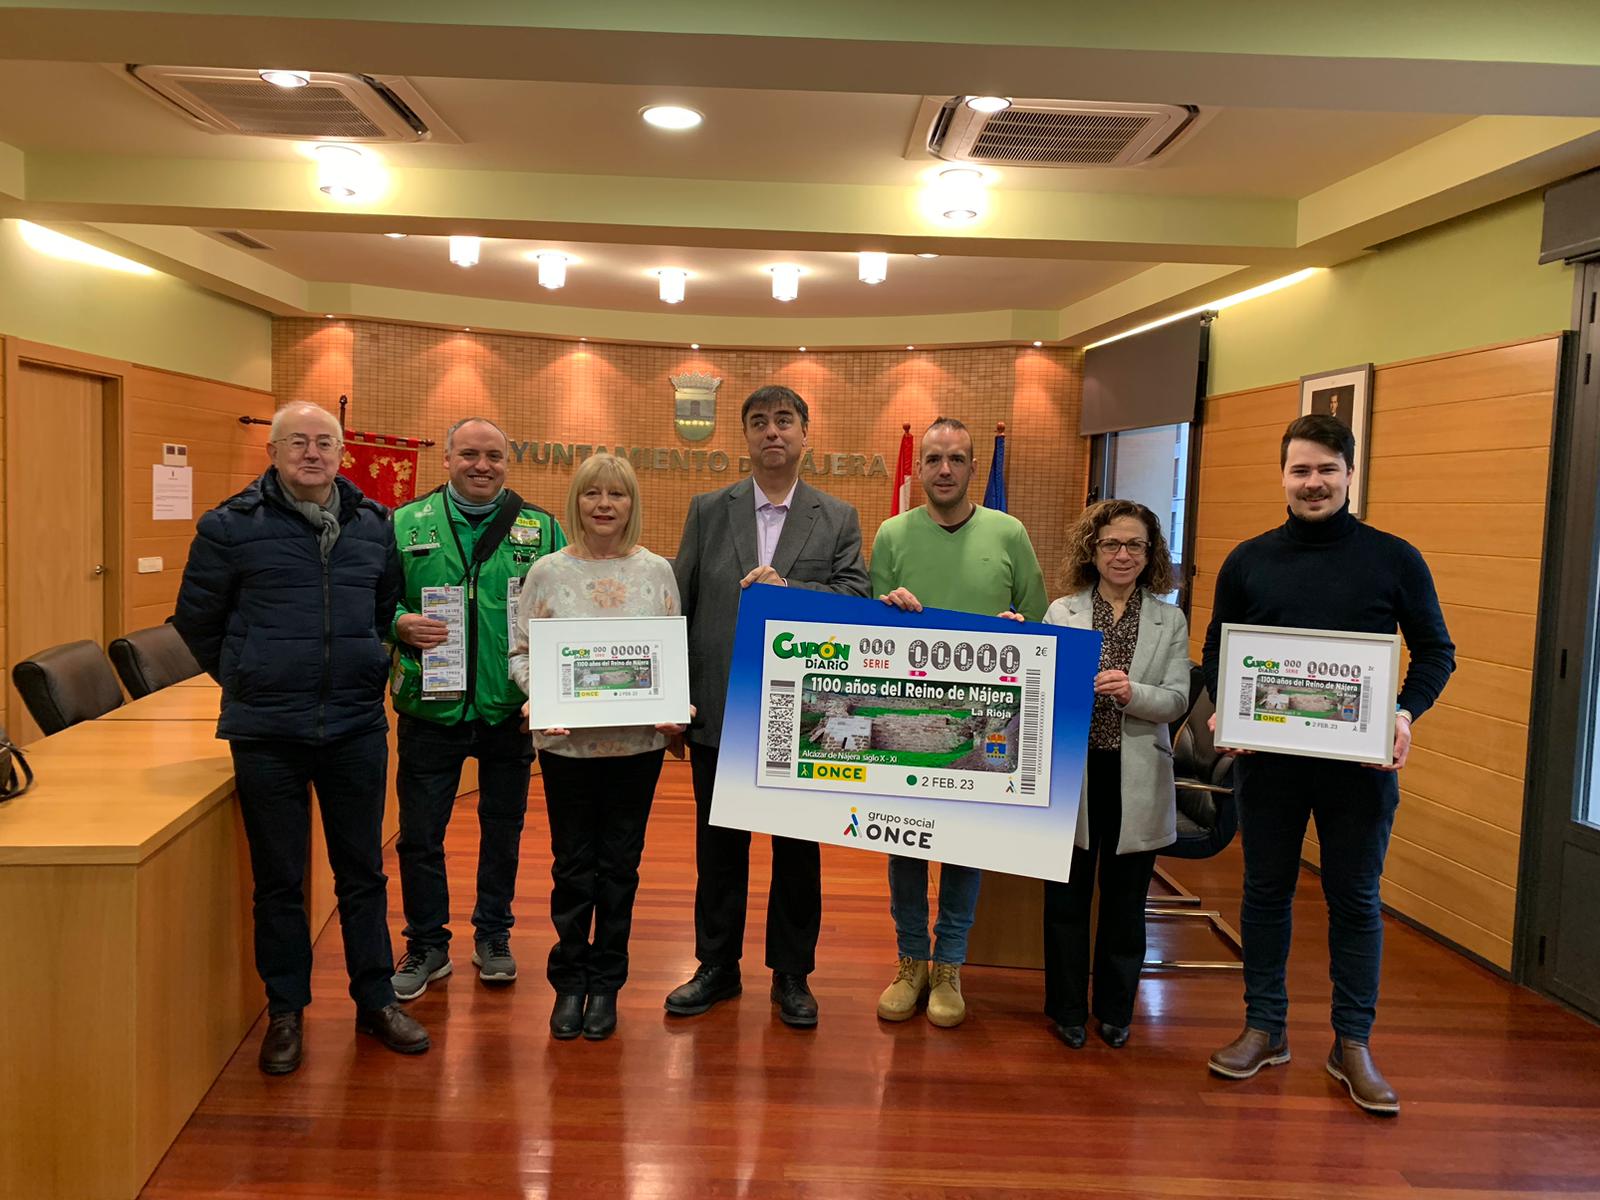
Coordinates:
<point>1151,378</point>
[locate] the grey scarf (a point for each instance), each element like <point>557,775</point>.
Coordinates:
<point>324,517</point>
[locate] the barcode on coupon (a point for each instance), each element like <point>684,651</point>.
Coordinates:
<point>1032,732</point>
<point>1366,703</point>
<point>566,680</point>
<point>779,733</point>
<point>1247,697</point>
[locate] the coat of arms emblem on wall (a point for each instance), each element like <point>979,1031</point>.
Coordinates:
<point>695,405</point>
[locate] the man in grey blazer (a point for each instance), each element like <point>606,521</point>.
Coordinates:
<point>773,529</point>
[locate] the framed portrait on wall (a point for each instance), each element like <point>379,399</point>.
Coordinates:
<point>1345,394</point>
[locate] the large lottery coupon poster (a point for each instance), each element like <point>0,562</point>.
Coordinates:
<point>937,734</point>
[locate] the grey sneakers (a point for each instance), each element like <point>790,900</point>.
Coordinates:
<point>419,968</point>
<point>492,957</point>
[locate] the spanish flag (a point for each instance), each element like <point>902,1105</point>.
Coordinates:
<point>902,474</point>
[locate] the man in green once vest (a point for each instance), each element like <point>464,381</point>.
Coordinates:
<point>465,548</point>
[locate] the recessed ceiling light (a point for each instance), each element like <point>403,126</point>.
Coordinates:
<point>872,266</point>
<point>394,235</point>
<point>910,347</point>
<point>1038,343</point>
<point>327,316</point>
<point>785,280</point>
<point>988,104</point>
<point>694,345</point>
<point>552,268</point>
<point>672,283</point>
<point>339,170</point>
<point>671,116</point>
<point>927,256</point>
<point>286,79</point>
<point>583,339</point>
<point>802,349</point>
<point>466,329</point>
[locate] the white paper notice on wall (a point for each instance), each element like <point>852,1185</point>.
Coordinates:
<point>172,493</point>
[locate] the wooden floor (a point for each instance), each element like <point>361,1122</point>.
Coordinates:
<point>1500,1089</point>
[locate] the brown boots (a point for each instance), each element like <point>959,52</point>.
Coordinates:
<point>1349,1062</point>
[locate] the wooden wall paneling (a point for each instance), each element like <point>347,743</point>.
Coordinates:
<point>1464,786</point>
<point>224,456</point>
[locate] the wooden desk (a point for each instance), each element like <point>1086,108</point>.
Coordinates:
<point>201,680</point>
<point>177,703</point>
<point>125,877</point>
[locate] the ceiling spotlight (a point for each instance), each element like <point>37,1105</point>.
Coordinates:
<point>988,104</point>
<point>910,347</point>
<point>339,171</point>
<point>1038,343</point>
<point>673,283</point>
<point>802,349</point>
<point>785,281</point>
<point>959,194</point>
<point>464,250</point>
<point>583,339</point>
<point>927,256</point>
<point>327,316</point>
<point>286,79</point>
<point>394,235</point>
<point>694,345</point>
<point>872,266</point>
<point>552,268</point>
<point>670,116</point>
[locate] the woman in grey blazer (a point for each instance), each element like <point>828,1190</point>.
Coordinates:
<point>1117,566</point>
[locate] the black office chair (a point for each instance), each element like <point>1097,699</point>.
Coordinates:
<point>67,684</point>
<point>1207,821</point>
<point>151,659</point>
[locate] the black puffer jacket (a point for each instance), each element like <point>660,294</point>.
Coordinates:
<point>295,645</point>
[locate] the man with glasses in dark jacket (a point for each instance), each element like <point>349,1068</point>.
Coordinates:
<point>288,588</point>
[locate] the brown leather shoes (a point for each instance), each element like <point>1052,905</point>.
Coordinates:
<point>1249,1052</point>
<point>1351,1064</point>
<point>280,1048</point>
<point>392,1026</point>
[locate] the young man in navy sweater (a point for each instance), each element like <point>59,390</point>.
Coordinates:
<point>1323,569</point>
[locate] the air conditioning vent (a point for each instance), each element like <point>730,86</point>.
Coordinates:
<point>331,107</point>
<point>1057,133</point>
<point>239,238</point>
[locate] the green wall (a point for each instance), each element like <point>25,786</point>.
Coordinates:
<point>1473,281</point>
<point>151,319</point>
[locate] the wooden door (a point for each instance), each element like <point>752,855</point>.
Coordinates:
<point>56,564</point>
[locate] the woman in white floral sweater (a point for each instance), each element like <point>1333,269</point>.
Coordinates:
<point>598,783</point>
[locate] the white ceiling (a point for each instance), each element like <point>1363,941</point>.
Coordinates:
<point>822,137</point>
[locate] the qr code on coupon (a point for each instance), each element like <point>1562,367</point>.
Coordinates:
<point>779,733</point>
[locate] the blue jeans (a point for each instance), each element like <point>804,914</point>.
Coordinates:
<point>431,758</point>
<point>908,902</point>
<point>1354,808</point>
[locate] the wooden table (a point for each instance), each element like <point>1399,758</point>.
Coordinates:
<point>177,703</point>
<point>125,877</point>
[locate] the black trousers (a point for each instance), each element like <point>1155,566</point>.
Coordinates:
<point>722,888</point>
<point>1119,939</point>
<point>598,811</point>
<point>431,758</point>
<point>274,781</point>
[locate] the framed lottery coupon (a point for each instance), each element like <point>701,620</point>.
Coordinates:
<point>626,671</point>
<point>939,735</point>
<point>1313,692</point>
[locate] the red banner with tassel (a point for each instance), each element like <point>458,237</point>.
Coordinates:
<point>383,467</point>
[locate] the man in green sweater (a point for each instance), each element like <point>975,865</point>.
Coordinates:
<point>465,547</point>
<point>950,553</point>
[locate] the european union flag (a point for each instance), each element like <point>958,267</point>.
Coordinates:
<point>994,496</point>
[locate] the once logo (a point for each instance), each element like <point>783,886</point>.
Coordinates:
<point>838,772</point>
